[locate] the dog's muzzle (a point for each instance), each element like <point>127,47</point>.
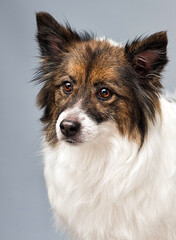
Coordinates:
<point>75,126</point>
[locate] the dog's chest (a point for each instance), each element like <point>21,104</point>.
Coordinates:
<point>82,194</point>
<point>85,192</point>
<point>75,181</point>
<point>95,193</point>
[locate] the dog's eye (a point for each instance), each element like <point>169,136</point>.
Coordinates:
<point>67,87</point>
<point>105,93</point>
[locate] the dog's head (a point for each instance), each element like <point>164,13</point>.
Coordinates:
<point>88,82</point>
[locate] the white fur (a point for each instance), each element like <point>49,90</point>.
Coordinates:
<point>89,128</point>
<point>112,42</point>
<point>108,189</point>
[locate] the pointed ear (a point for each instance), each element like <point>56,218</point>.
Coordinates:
<point>53,38</point>
<point>148,56</point>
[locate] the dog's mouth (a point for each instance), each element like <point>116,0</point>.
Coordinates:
<point>72,141</point>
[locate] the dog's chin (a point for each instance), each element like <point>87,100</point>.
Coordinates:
<point>78,141</point>
<point>73,142</point>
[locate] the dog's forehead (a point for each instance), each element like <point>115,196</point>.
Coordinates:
<point>95,61</point>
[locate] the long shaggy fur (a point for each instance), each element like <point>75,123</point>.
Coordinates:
<point>109,190</point>
<point>114,177</point>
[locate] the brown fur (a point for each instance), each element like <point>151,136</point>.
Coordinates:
<point>89,65</point>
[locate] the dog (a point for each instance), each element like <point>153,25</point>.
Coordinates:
<point>109,141</point>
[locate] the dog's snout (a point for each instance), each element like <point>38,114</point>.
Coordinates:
<point>69,128</point>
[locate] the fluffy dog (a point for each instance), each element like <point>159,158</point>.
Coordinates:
<point>109,135</point>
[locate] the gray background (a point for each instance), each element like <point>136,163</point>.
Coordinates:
<point>24,210</point>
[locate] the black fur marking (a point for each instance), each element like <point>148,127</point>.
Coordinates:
<point>95,115</point>
<point>147,58</point>
<point>55,38</point>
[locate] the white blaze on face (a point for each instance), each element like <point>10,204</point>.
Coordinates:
<point>88,130</point>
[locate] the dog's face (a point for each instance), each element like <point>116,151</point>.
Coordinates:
<point>90,82</point>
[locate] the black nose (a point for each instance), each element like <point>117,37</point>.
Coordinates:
<point>69,128</point>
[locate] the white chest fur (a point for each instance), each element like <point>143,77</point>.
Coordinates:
<point>107,190</point>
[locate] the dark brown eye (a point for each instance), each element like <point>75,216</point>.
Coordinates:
<point>105,93</point>
<point>67,87</point>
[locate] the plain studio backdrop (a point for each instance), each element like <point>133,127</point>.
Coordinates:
<point>25,213</point>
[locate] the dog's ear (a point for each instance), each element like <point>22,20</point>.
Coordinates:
<point>148,56</point>
<point>53,38</point>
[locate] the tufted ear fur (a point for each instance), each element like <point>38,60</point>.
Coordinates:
<point>148,56</point>
<point>54,38</point>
